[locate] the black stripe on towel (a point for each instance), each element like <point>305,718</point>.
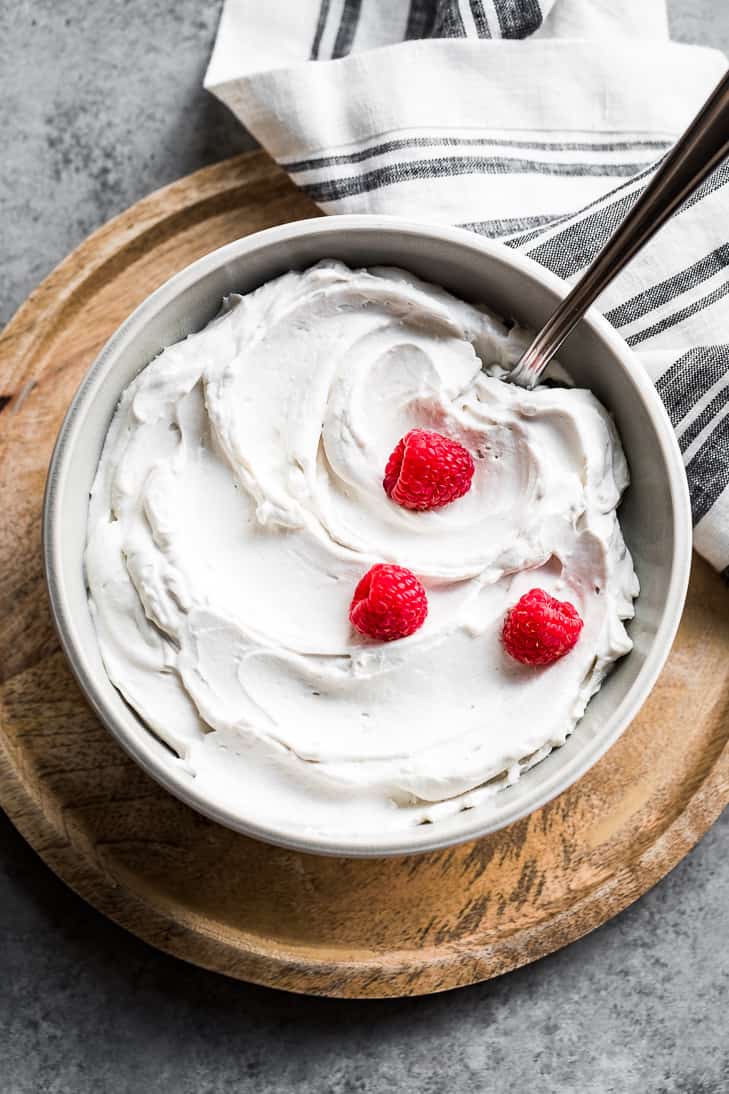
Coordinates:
<point>320,25</point>
<point>507,225</point>
<point>452,166</point>
<point>479,19</point>
<point>661,293</point>
<point>708,471</point>
<point>449,22</point>
<point>347,28</point>
<point>421,19</point>
<point>700,422</point>
<point>689,378</point>
<point>678,316</point>
<point>395,145</point>
<point>518,18</point>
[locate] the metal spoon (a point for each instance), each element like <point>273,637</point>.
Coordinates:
<point>701,148</point>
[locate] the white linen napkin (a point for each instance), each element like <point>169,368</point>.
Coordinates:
<point>533,121</point>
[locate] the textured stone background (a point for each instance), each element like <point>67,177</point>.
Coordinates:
<point>101,102</point>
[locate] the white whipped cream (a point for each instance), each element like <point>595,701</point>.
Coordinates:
<point>239,500</point>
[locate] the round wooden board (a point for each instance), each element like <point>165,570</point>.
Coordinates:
<point>354,928</point>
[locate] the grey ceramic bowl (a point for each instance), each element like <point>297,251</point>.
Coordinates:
<point>655,515</point>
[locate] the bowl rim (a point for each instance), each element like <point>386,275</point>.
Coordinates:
<point>138,743</point>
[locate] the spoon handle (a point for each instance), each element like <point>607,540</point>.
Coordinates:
<point>701,149</point>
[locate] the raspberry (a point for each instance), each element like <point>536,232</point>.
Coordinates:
<point>427,470</point>
<point>388,603</point>
<point>539,630</point>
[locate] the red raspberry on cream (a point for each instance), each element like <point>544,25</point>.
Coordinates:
<point>388,603</point>
<point>539,629</point>
<point>427,470</point>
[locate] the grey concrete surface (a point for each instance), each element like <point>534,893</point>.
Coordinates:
<point>100,102</point>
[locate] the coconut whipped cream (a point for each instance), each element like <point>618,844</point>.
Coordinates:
<point>239,500</point>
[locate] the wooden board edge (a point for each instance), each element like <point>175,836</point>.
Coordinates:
<point>184,936</point>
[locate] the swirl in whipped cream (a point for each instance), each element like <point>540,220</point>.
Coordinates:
<point>239,500</point>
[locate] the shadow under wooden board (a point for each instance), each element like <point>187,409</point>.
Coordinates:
<point>357,928</point>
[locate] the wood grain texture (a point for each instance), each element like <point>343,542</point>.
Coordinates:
<point>338,927</point>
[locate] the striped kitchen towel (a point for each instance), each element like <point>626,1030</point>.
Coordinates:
<point>533,121</point>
